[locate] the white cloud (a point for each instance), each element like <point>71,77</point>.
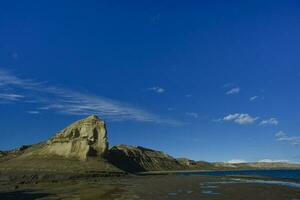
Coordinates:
<point>157,89</point>
<point>236,161</point>
<point>240,118</point>
<point>272,161</point>
<point>282,136</point>
<point>192,114</point>
<point>33,112</point>
<point>253,98</point>
<point>235,90</point>
<point>11,97</point>
<point>8,79</point>
<point>47,97</point>
<point>271,121</point>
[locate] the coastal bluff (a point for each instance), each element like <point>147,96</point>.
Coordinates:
<point>82,139</point>
<point>141,159</point>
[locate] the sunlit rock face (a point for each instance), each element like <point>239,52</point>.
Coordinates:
<point>82,139</point>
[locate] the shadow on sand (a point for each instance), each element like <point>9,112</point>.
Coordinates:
<point>23,195</point>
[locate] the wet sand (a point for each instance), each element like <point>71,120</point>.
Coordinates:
<point>152,187</point>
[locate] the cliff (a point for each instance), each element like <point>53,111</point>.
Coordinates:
<point>82,139</point>
<point>140,159</point>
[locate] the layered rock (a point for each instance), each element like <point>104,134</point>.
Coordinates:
<point>186,161</point>
<point>82,139</point>
<point>139,159</point>
<point>196,165</point>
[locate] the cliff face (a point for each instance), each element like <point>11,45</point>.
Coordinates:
<point>196,165</point>
<point>139,159</point>
<point>80,140</point>
<point>84,140</point>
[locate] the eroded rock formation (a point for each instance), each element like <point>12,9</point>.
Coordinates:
<point>80,140</point>
<point>138,159</point>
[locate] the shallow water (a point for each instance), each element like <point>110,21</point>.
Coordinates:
<point>293,174</point>
<point>241,181</point>
<point>172,193</point>
<point>209,192</point>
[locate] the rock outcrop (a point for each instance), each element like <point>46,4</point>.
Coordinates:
<point>139,159</point>
<point>82,139</point>
<point>197,165</point>
<point>187,162</point>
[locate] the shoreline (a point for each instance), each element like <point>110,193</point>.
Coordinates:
<point>205,170</point>
<point>152,187</point>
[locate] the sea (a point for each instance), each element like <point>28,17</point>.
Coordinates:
<point>291,174</point>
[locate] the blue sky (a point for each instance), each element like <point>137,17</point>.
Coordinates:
<point>215,81</point>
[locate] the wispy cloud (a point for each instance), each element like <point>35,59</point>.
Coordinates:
<point>271,121</point>
<point>282,136</point>
<point>10,97</point>
<point>272,161</point>
<point>33,112</point>
<point>57,99</point>
<point>188,95</point>
<point>240,118</point>
<point>236,161</point>
<point>254,98</point>
<point>192,114</point>
<point>157,89</point>
<point>234,90</point>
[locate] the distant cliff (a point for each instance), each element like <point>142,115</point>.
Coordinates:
<point>257,165</point>
<point>202,165</point>
<point>140,159</point>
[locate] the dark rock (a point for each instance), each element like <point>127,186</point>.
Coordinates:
<point>139,159</point>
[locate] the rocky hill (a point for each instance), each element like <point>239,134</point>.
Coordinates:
<point>140,159</point>
<point>79,148</point>
<point>82,139</point>
<point>83,147</point>
<point>202,165</point>
<point>196,165</point>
